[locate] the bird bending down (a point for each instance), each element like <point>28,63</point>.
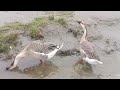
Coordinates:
<point>30,52</point>
<point>87,49</point>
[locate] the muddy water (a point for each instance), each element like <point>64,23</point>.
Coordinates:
<point>103,32</point>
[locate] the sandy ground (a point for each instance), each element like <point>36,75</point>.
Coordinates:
<point>103,32</point>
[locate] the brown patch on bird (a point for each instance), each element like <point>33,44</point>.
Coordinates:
<point>89,50</point>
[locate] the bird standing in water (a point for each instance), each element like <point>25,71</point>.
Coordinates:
<point>87,49</point>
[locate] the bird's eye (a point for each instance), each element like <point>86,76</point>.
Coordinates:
<point>82,31</point>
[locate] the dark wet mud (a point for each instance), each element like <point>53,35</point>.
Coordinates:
<point>103,31</point>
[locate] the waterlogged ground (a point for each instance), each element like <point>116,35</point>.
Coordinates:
<point>103,32</point>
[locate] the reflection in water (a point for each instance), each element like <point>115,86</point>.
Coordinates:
<point>83,68</point>
<point>39,71</point>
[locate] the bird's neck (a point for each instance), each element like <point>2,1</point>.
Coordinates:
<point>85,34</point>
<point>86,59</point>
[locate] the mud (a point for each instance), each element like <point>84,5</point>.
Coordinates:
<point>103,32</point>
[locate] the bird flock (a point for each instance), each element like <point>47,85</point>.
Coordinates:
<point>36,48</point>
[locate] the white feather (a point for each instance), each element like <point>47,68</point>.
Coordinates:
<point>10,47</point>
<point>92,61</point>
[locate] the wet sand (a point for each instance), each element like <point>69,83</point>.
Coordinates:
<point>103,32</point>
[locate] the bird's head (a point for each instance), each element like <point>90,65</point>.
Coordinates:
<point>81,23</point>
